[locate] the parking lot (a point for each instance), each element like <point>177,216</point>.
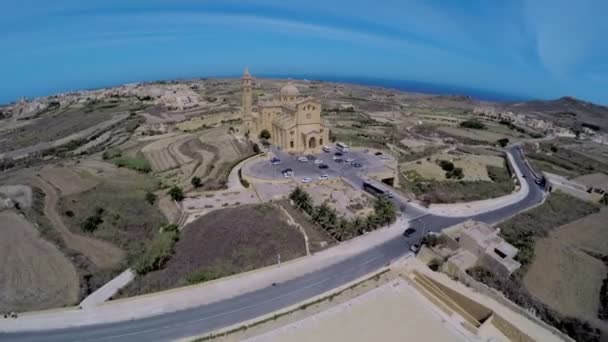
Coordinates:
<point>368,160</point>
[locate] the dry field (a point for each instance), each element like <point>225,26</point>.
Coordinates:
<point>564,274</point>
<point>225,242</point>
<point>475,134</point>
<point>68,180</point>
<point>598,180</point>
<point>473,166</point>
<point>35,274</point>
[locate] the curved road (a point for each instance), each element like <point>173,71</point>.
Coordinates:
<point>220,314</point>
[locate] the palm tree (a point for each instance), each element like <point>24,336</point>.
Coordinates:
<point>302,199</point>
<point>357,226</point>
<point>385,210</point>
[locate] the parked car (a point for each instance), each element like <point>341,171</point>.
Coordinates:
<point>306,180</point>
<point>318,161</point>
<point>339,154</point>
<point>385,157</point>
<point>323,166</point>
<point>338,160</point>
<point>356,164</point>
<point>311,157</point>
<point>349,160</point>
<point>326,149</point>
<point>275,161</point>
<point>408,232</point>
<point>302,159</point>
<point>324,177</point>
<point>287,173</point>
<point>378,153</point>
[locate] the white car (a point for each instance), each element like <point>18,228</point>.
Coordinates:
<point>318,161</point>
<point>334,157</point>
<point>324,177</point>
<point>306,180</point>
<point>385,157</point>
<point>303,159</point>
<point>349,160</point>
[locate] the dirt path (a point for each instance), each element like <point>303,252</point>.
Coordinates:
<point>101,253</point>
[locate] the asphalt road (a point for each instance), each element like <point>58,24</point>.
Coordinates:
<point>248,306</point>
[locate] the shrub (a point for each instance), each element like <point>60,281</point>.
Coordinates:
<point>202,276</point>
<point>456,173</point>
<point>138,164</point>
<point>69,213</point>
<point>446,165</point>
<point>176,193</point>
<point>196,182</point>
<point>150,197</point>
<point>475,124</point>
<point>256,149</point>
<point>158,254</point>
<point>91,223</point>
<point>111,154</point>
<point>264,134</point>
<point>503,142</point>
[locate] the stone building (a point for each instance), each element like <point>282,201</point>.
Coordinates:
<point>293,121</point>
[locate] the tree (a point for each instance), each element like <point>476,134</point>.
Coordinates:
<point>456,173</point>
<point>256,149</point>
<point>475,124</point>
<point>357,225</point>
<point>196,182</point>
<point>302,199</point>
<point>264,134</point>
<point>604,199</point>
<point>176,193</point>
<point>503,142</point>
<point>150,197</point>
<point>385,210</point>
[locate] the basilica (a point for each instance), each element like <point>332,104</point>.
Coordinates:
<point>293,121</point>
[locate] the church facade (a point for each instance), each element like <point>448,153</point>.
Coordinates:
<point>293,121</point>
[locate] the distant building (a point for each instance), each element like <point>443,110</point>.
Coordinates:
<point>477,243</point>
<point>294,122</point>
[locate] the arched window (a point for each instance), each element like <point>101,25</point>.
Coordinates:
<point>321,141</point>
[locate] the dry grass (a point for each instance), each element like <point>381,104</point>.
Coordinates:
<point>564,274</point>
<point>474,166</point>
<point>35,274</point>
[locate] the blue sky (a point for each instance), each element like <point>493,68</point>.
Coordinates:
<point>531,48</point>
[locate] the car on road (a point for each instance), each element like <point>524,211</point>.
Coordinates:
<point>356,164</point>
<point>389,194</point>
<point>349,160</point>
<point>326,149</point>
<point>276,161</point>
<point>378,153</point>
<point>306,180</point>
<point>415,247</point>
<point>338,154</point>
<point>324,177</point>
<point>303,159</point>
<point>310,157</point>
<point>318,161</point>
<point>408,232</point>
<point>287,173</point>
<point>323,166</point>
<point>385,157</point>
<point>338,160</point>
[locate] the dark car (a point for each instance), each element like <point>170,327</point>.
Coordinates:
<point>338,160</point>
<point>378,153</point>
<point>287,170</point>
<point>408,232</point>
<point>338,154</point>
<point>323,166</point>
<point>356,164</point>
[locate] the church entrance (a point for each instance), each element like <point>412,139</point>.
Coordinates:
<point>312,143</point>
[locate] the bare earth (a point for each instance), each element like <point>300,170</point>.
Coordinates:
<point>35,275</point>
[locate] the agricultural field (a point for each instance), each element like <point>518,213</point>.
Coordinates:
<point>556,158</point>
<point>165,154</point>
<point>567,271</point>
<point>35,274</point>
<point>225,242</point>
<point>484,176</point>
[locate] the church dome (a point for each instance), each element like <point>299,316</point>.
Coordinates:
<point>290,90</point>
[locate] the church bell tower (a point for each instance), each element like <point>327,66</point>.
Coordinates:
<point>247,83</point>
